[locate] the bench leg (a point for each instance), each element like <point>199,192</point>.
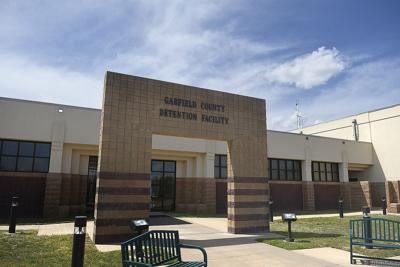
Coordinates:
<point>351,253</point>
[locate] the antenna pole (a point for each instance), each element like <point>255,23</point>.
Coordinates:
<point>298,115</point>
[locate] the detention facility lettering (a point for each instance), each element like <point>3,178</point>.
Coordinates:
<point>193,116</point>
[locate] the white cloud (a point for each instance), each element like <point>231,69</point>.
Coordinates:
<point>179,45</point>
<point>282,121</point>
<point>175,41</point>
<point>309,70</point>
<point>366,86</point>
<point>24,79</point>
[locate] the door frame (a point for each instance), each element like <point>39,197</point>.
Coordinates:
<point>162,185</point>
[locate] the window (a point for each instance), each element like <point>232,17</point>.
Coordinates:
<point>24,156</point>
<point>325,171</point>
<point>163,184</point>
<point>220,166</point>
<point>284,169</point>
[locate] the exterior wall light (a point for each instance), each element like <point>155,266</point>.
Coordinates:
<point>60,110</point>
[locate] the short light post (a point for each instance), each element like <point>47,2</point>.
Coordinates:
<point>341,208</point>
<point>78,246</point>
<point>271,211</point>
<point>289,218</point>
<point>367,226</point>
<point>13,215</point>
<point>384,206</point>
<point>139,226</point>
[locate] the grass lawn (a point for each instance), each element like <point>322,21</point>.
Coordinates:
<point>27,249</point>
<point>324,232</point>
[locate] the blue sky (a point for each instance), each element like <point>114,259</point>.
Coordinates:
<point>335,58</point>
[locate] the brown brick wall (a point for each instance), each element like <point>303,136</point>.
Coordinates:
<point>392,190</point>
<point>29,187</point>
<point>377,192</point>
<point>287,196</point>
<point>195,195</point>
<point>121,197</point>
<point>221,198</point>
<point>52,195</point>
<point>73,194</point>
<point>308,196</point>
<point>345,195</point>
<point>248,209</point>
<point>360,194</point>
<point>327,195</point>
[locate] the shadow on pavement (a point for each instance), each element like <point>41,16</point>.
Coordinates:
<point>157,220</point>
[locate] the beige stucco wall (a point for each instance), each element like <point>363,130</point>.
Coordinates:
<point>36,121</point>
<point>381,128</point>
<point>28,120</point>
<point>75,158</point>
<point>301,147</point>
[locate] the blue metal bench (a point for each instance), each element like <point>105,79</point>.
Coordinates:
<point>156,248</point>
<point>374,233</point>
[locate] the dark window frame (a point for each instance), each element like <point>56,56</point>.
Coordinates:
<point>323,172</point>
<point>23,156</point>
<point>164,174</point>
<point>219,166</point>
<point>282,171</point>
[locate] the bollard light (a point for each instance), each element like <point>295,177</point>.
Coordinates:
<point>341,208</point>
<point>271,211</point>
<point>384,206</point>
<point>366,211</point>
<point>139,226</point>
<point>289,218</point>
<point>78,246</point>
<point>13,215</point>
<point>367,227</point>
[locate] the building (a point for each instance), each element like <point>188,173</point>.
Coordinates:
<point>188,140</point>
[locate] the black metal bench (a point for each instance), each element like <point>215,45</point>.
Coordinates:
<point>374,233</point>
<point>156,248</point>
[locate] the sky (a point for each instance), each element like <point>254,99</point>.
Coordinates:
<point>335,58</point>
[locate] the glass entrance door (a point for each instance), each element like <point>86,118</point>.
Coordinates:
<point>163,174</point>
<point>91,184</point>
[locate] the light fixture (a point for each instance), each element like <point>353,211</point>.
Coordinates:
<point>60,110</point>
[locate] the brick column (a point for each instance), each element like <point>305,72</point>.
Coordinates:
<point>248,190</point>
<point>308,196</point>
<point>308,184</point>
<point>248,210</point>
<point>51,205</point>
<point>345,194</point>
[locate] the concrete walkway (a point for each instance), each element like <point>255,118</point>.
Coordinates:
<point>224,249</point>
